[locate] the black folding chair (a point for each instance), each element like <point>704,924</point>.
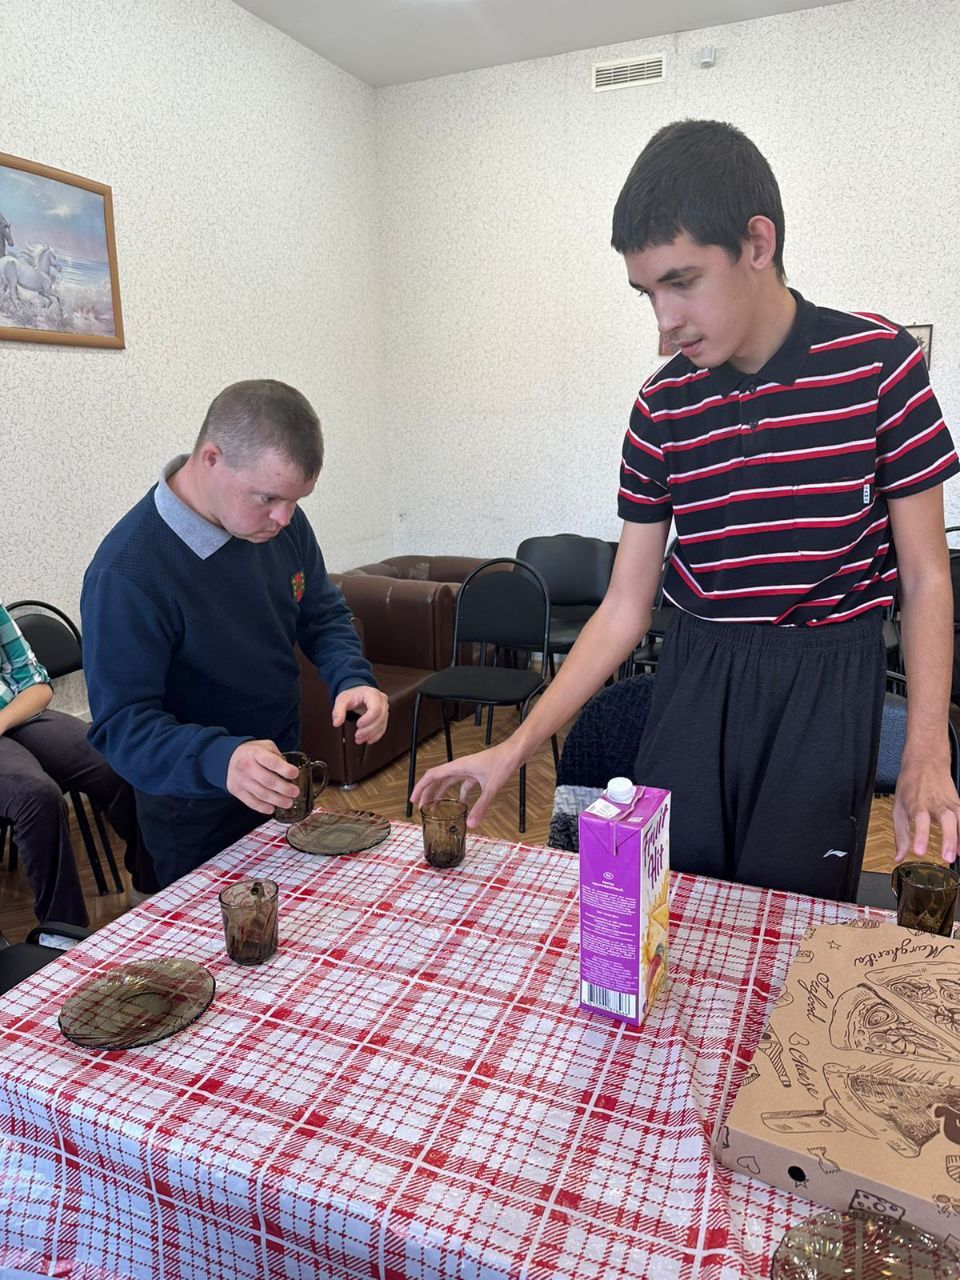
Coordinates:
<point>506,604</point>
<point>19,960</point>
<point>647,654</point>
<point>57,646</point>
<point>577,573</point>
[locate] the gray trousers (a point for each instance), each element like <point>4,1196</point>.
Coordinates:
<point>40,760</point>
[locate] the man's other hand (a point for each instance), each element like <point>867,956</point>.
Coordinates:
<point>374,708</point>
<point>925,795</point>
<point>260,778</point>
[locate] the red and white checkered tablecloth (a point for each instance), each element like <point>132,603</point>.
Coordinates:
<point>407,1089</point>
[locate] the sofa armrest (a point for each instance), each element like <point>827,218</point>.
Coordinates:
<point>405,623</point>
<point>432,568</point>
<point>379,570</point>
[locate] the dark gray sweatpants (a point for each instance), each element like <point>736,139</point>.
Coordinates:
<point>767,737</point>
<point>40,760</point>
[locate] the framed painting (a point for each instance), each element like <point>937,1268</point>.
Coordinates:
<point>923,333</point>
<point>58,265</point>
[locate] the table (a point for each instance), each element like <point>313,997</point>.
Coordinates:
<point>407,1089</point>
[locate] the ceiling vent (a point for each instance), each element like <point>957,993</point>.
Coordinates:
<point>621,75</point>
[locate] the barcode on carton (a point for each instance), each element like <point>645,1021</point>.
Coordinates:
<point>618,1002</point>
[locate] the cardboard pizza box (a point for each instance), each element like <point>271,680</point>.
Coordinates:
<point>853,1096</point>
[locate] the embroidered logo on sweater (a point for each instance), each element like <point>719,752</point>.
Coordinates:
<point>297,584</point>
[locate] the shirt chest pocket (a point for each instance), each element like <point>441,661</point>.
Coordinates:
<point>833,501</point>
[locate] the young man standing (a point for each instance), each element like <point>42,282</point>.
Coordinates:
<point>192,608</point>
<point>802,454</point>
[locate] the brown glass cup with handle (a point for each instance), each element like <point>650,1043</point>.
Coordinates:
<point>311,779</point>
<point>444,832</point>
<point>927,896</point>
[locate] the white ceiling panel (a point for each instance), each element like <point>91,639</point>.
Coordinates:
<point>394,41</point>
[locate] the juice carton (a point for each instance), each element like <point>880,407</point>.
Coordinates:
<point>624,920</point>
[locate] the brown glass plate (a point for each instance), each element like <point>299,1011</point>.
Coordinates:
<point>336,833</point>
<point>137,1004</point>
<point>868,1246</point>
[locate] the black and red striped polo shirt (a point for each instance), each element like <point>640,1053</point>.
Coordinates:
<point>779,480</point>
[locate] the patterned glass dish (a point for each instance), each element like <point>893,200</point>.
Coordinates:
<point>856,1245</point>
<point>137,1004</point>
<point>337,833</point>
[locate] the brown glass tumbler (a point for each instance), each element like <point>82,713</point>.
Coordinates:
<point>311,779</point>
<point>444,832</point>
<point>250,920</point>
<point>926,896</point>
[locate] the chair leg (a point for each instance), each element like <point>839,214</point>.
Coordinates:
<point>523,798</point>
<point>446,729</point>
<point>496,657</point>
<point>523,709</point>
<point>6,833</point>
<point>107,847</point>
<point>412,776</point>
<point>87,837</point>
<point>553,665</point>
<point>478,710</point>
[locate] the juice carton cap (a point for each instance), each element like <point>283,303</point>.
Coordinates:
<point>620,790</point>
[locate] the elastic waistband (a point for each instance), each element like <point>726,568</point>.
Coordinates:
<point>767,638</point>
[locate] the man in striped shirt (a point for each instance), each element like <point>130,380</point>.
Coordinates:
<point>802,454</point>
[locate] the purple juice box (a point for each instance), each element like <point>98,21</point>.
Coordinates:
<point>624,912</point>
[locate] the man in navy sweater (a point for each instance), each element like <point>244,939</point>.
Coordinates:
<point>191,610</point>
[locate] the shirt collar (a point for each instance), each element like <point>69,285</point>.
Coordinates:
<point>201,536</point>
<point>786,363</point>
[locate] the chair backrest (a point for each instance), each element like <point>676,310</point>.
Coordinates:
<point>51,634</point>
<point>576,569</point>
<point>605,738</point>
<point>893,736</point>
<point>503,602</point>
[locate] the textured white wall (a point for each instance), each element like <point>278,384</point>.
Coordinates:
<point>242,168</point>
<point>513,346</point>
<point>429,263</point>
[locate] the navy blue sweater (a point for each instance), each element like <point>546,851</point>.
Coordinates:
<point>186,658</point>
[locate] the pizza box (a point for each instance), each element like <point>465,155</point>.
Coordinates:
<point>853,1096</point>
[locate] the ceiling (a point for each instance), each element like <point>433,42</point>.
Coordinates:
<point>394,41</point>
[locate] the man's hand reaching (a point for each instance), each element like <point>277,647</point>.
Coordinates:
<point>374,709</point>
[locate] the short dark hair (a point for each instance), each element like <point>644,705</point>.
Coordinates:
<point>702,177</point>
<point>247,418</point>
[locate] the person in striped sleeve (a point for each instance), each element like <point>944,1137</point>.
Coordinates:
<point>802,455</point>
<point>42,754</point>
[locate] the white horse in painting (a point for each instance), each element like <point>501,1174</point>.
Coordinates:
<point>36,270</point>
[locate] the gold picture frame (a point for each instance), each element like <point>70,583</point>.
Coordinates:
<point>58,265</point>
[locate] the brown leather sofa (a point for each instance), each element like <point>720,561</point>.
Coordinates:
<point>404,617</point>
